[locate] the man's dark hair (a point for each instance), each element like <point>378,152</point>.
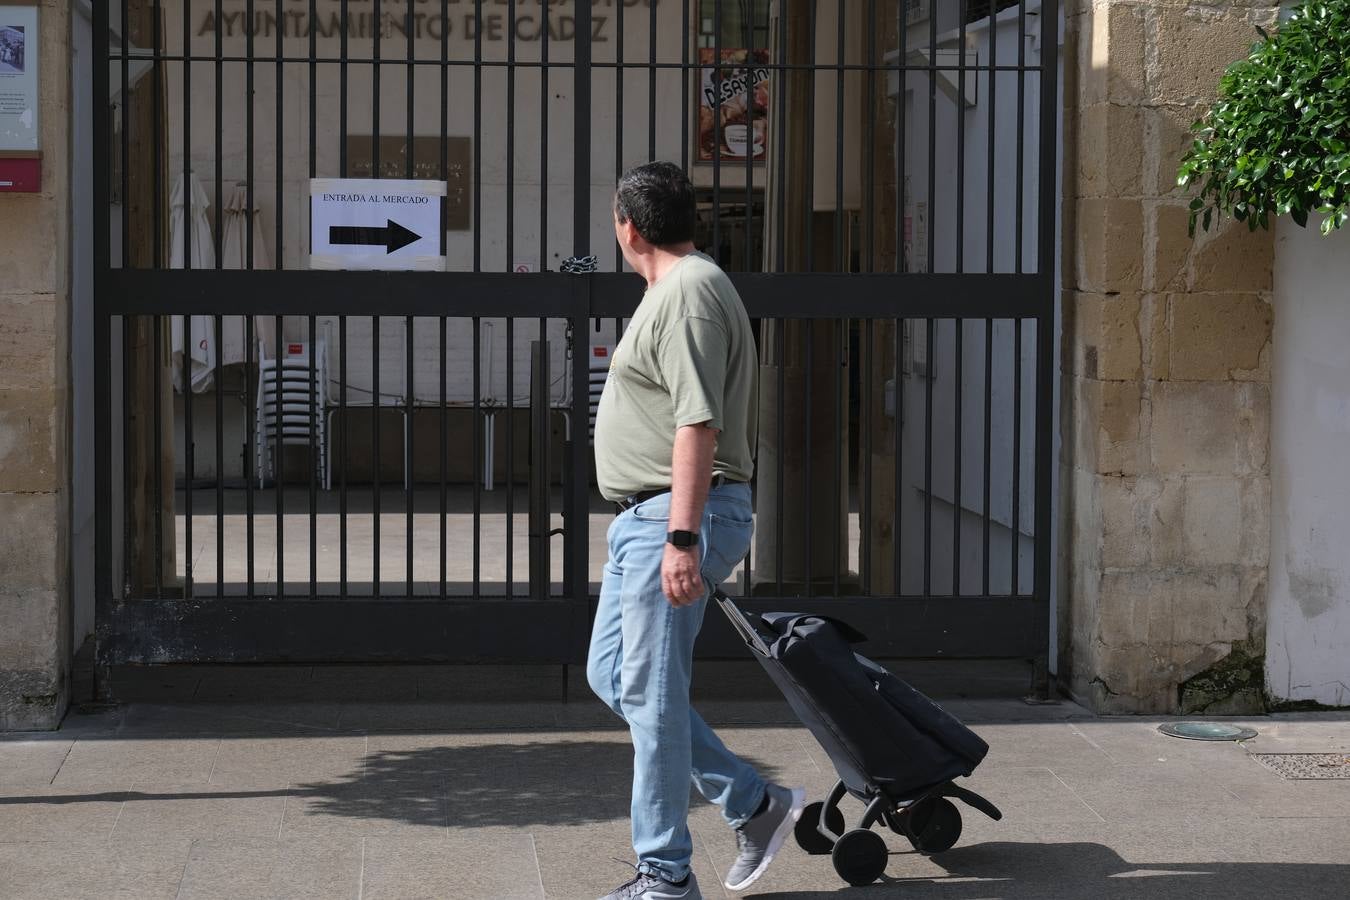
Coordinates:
<point>658,198</point>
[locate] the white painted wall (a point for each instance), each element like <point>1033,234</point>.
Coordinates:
<point>1308,631</point>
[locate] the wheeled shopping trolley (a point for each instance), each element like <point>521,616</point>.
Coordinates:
<point>894,749</point>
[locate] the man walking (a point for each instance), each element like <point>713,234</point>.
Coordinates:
<point>674,445</point>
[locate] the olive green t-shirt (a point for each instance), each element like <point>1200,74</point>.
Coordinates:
<point>688,357</point>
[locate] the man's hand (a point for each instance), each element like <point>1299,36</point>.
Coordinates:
<point>680,579</point>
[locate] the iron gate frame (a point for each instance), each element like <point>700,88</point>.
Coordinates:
<point>405,629</point>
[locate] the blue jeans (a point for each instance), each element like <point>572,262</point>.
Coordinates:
<point>640,663</point>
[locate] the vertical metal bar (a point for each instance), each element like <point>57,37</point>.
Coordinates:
<point>190,461</point>
<point>581,154</point>
<point>510,138</point>
<point>103,377</point>
<point>158,466</point>
<point>249,209</point>
<point>1020,177</point>
<point>124,57</point>
<point>750,85</point>
<point>543,140</point>
<point>578,480</point>
<point>961,140</point>
<point>898,382</point>
<point>342,151</point>
<point>651,80</point>
<point>315,417</point>
<point>510,454</point>
<point>189,442</point>
<point>251,448</point>
<point>127,530</point>
<point>717,132</point>
<point>410,81</point>
<point>806,442</point>
<point>346,455</point>
<point>279,139</point>
<point>928,464</point>
<point>219,175</point>
<point>933,76</point>
<point>990,155</point>
<point>376,482</point>
<point>840,264</point>
<point>478,430</point>
<point>840,399</point>
<point>901,174</point>
<point>780,148</point>
<point>442,454</point>
<point>409,392</point>
<point>157,85</point>
<point>618,119</point>
<point>958,387</point>
<point>781,487</point>
<point>988,444</point>
<point>870,124</point>
<point>865,488</point>
<point>316,411</point>
<point>376,171</point>
<point>811,146</point>
<point>478,139</point>
<point>220,462</point>
<point>278,458</point>
<point>686,65</point>
<point>1015,582</point>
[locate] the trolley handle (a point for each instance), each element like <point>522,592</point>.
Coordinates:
<point>742,625</point>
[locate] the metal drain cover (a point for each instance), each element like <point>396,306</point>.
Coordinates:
<point>1207,731</point>
<point>1307,766</point>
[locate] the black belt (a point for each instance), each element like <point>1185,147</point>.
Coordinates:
<point>633,500</point>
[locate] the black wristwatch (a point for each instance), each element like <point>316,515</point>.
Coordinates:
<point>683,539</point>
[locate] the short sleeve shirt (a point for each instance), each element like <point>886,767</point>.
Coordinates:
<point>688,357</point>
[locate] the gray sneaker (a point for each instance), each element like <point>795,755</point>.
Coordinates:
<point>649,887</point>
<point>760,838</point>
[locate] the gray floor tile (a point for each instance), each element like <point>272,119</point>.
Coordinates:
<point>290,869</point>
<point>284,760</point>
<point>407,807</point>
<point>427,716</point>
<point>95,870</point>
<point>175,760</point>
<point>195,811</point>
<point>232,718</point>
<point>32,760</point>
<point>1160,792</point>
<point>1039,744</point>
<point>578,862</point>
<point>1276,798</point>
<point>1130,742</point>
<point>58,814</point>
<point>488,864</point>
<point>1026,795</point>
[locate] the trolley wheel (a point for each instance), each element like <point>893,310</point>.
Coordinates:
<point>811,840</point>
<point>860,856</point>
<point>934,826</point>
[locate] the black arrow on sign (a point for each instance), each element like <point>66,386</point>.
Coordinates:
<point>392,237</point>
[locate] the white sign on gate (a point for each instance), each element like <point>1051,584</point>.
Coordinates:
<point>375,223</point>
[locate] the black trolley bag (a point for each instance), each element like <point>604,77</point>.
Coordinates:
<point>894,749</point>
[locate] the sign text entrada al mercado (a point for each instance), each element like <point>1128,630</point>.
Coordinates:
<point>461,19</point>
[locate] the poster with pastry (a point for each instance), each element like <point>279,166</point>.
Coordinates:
<point>735,95</point>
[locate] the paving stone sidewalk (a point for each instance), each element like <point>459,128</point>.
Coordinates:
<point>412,786</point>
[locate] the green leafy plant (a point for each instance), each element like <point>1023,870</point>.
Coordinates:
<point>1278,140</point>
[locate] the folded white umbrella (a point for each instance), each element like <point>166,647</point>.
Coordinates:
<point>200,344</point>
<point>234,255</point>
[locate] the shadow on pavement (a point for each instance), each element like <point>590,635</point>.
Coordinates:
<point>545,782</point>
<point>1026,871</point>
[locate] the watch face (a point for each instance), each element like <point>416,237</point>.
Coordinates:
<point>682,539</point>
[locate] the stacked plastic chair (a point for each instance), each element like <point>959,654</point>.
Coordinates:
<point>287,383</point>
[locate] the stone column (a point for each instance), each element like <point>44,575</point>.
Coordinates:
<point>34,406</point>
<point>1166,365</point>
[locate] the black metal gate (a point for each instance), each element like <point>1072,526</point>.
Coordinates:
<point>412,475</point>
